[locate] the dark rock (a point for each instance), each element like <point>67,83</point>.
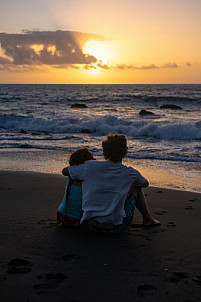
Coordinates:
<point>170,106</point>
<point>145,112</point>
<point>26,146</point>
<point>77,105</point>
<point>87,131</point>
<point>23,131</point>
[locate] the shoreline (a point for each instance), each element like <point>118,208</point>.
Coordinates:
<point>60,175</point>
<point>163,174</point>
<point>44,262</point>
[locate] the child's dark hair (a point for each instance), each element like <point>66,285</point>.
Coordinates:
<point>77,158</point>
<point>115,147</point>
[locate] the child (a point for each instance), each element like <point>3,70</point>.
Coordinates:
<point>70,210</point>
<point>111,190</point>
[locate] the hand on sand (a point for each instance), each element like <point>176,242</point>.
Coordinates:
<point>150,222</point>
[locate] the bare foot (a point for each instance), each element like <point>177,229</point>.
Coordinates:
<point>150,222</point>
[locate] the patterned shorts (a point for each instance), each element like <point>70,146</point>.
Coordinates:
<point>129,208</point>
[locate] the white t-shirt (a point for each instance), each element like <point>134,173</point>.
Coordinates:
<point>104,189</point>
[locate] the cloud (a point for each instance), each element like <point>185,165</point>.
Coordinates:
<point>4,60</point>
<point>55,48</point>
<point>23,68</point>
<point>100,65</point>
<point>145,67</point>
<point>33,50</point>
<point>170,65</point>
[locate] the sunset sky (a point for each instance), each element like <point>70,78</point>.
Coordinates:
<point>102,41</point>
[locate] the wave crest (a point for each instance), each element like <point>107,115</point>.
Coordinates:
<point>102,125</point>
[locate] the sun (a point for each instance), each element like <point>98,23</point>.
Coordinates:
<point>101,50</point>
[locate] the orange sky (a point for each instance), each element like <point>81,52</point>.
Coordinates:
<point>87,41</point>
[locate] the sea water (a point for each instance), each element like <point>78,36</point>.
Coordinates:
<point>40,125</point>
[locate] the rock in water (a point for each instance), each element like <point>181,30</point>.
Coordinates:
<point>145,112</point>
<point>23,131</point>
<point>87,131</point>
<point>170,106</point>
<point>77,105</point>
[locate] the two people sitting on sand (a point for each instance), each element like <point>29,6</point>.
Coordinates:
<point>105,192</point>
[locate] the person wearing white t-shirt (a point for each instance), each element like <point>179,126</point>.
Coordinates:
<point>111,190</point>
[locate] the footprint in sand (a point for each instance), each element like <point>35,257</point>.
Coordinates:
<point>189,208</point>
<point>146,290</point>
<point>171,224</point>
<point>18,266</point>
<point>160,213</point>
<point>49,223</point>
<point>175,277</point>
<point>163,229</point>
<point>197,280</point>
<point>52,281</point>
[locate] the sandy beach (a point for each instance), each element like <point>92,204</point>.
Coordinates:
<point>43,262</point>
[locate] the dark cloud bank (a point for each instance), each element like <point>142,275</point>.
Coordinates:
<point>54,48</point>
<point>61,49</point>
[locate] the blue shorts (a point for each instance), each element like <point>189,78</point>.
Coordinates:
<point>129,207</point>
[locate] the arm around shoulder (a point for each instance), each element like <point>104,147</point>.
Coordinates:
<point>65,171</point>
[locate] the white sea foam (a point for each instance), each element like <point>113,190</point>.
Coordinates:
<point>48,122</point>
<point>101,125</point>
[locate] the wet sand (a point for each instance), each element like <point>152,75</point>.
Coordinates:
<point>163,174</point>
<point>43,262</point>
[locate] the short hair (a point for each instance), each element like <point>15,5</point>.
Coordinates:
<point>115,147</point>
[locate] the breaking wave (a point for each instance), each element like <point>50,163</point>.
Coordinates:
<point>102,125</point>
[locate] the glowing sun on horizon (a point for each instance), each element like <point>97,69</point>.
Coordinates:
<point>101,51</point>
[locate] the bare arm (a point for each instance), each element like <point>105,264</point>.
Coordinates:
<point>65,172</point>
<point>145,184</point>
<point>134,187</point>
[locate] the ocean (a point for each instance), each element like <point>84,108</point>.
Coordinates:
<point>41,124</point>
